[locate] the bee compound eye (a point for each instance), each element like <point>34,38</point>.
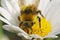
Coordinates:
<point>27,11</point>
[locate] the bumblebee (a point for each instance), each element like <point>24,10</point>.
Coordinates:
<point>31,23</point>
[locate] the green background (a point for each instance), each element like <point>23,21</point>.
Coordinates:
<point>12,36</point>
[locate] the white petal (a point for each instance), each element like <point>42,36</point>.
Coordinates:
<point>23,35</point>
<point>43,4</point>
<point>16,9</point>
<point>55,31</point>
<point>8,5</point>
<point>3,4</point>
<point>52,14</point>
<point>15,5</point>
<point>14,29</point>
<point>4,20</point>
<point>51,36</point>
<point>7,15</point>
<point>11,9</point>
<point>10,28</point>
<point>35,36</point>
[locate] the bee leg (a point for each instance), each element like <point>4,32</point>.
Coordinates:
<point>18,18</point>
<point>32,23</point>
<point>40,13</point>
<point>38,18</point>
<point>39,21</point>
<point>33,38</point>
<point>20,24</point>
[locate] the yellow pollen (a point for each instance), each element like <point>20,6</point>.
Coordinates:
<point>41,29</point>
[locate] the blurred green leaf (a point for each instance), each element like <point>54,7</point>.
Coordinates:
<point>1,31</point>
<point>0,26</point>
<point>48,39</point>
<point>0,2</point>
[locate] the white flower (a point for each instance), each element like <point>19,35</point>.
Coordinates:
<point>10,10</point>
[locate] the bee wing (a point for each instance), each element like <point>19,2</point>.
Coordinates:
<point>52,14</point>
<point>28,2</point>
<point>36,2</point>
<point>21,2</point>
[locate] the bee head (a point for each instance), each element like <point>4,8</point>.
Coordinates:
<point>28,13</point>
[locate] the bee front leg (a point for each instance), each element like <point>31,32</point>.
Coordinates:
<point>19,18</point>
<point>20,24</point>
<point>40,13</point>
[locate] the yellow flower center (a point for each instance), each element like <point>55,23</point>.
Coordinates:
<point>41,29</point>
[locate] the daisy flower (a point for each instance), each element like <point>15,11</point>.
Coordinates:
<point>10,11</point>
